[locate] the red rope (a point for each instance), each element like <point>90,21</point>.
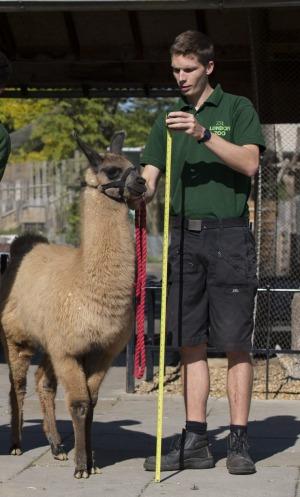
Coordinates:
<point>141,254</point>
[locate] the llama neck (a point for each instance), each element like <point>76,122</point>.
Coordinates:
<point>106,236</point>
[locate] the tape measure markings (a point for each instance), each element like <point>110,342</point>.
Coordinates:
<point>163,308</point>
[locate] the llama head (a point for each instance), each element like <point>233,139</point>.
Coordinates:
<point>110,172</point>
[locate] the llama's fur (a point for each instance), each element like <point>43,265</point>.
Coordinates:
<point>77,304</point>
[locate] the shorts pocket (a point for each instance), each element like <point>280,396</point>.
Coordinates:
<point>225,270</point>
<point>251,257</point>
<point>181,266</point>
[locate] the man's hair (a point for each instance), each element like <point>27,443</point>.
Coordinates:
<point>5,69</point>
<point>196,43</point>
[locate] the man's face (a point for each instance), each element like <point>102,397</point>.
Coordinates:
<point>191,76</point>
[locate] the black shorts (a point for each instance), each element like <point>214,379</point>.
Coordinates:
<point>212,285</point>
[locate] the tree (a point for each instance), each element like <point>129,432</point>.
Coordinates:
<point>44,128</point>
<point>51,122</point>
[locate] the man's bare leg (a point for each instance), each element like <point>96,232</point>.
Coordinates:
<point>239,386</point>
<point>195,378</point>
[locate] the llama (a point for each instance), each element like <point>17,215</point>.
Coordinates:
<point>75,303</point>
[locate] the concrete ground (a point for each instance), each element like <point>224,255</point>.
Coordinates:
<point>124,434</point>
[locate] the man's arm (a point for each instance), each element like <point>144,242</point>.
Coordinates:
<point>242,158</point>
<point>152,175</point>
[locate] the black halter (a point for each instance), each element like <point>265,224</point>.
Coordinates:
<point>114,184</point>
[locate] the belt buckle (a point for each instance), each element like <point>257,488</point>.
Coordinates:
<point>195,224</point>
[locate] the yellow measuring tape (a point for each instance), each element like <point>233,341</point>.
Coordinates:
<point>163,308</point>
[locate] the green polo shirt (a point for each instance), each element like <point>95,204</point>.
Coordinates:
<point>4,149</point>
<point>202,185</point>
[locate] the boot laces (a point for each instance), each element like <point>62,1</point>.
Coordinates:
<point>239,444</point>
<point>176,442</point>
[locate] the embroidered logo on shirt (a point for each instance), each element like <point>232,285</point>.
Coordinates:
<point>235,290</point>
<point>220,128</point>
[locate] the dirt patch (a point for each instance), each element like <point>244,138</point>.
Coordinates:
<point>280,385</point>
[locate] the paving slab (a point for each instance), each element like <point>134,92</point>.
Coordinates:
<point>124,434</point>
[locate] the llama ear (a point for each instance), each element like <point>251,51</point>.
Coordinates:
<point>93,157</point>
<point>117,141</point>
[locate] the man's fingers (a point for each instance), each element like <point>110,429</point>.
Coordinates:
<point>186,120</point>
<point>179,126</point>
<point>178,114</point>
<point>184,117</point>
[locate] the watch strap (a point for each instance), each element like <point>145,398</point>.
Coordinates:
<point>206,136</point>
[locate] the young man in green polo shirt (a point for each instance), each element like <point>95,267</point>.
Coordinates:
<point>4,136</point>
<point>216,143</point>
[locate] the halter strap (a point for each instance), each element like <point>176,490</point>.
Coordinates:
<point>113,184</point>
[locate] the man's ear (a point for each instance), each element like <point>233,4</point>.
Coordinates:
<point>93,157</point>
<point>210,67</point>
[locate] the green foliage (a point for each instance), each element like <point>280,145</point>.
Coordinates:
<point>52,122</point>
<point>136,117</point>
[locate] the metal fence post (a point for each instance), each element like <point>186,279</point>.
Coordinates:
<point>130,383</point>
<point>268,337</point>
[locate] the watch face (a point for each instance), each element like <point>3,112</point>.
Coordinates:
<point>206,136</point>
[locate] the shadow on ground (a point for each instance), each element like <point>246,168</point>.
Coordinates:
<point>113,442</point>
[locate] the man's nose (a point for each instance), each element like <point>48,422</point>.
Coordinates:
<point>182,76</point>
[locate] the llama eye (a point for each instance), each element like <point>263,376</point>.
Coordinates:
<point>112,172</point>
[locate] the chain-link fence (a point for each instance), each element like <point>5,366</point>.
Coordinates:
<point>277,188</point>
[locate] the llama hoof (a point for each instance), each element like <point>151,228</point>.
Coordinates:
<point>59,452</point>
<point>63,456</point>
<point>81,473</point>
<point>95,470</point>
<point>15,450</point>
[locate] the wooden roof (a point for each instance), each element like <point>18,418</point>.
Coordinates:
<point>117,48</point>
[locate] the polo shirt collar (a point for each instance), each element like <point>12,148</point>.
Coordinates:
<point>214,99</point>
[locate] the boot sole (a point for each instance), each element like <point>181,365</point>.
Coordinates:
<point>241,471</point>
<point>189,464</point>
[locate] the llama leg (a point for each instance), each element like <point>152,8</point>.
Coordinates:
<point>18,359</point>
<point>95,366</point>
<point>46,385</point>
<point>71,375</point>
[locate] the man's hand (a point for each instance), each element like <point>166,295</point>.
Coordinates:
<point>183,121</point>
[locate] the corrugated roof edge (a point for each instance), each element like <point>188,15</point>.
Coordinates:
<point>35,5</point>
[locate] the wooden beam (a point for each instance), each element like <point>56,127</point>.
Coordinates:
<point>51,5</point>
<point>201,21</point>
<point>136,33</point>
<point>7,41</point>
<point>72,34</point>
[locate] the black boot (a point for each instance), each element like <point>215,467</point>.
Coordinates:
<point>188,451</point>
<point>239,461</point>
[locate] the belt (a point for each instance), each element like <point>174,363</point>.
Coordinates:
<point>203,224</point>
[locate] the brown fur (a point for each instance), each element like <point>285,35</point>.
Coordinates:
<point>77,304</point>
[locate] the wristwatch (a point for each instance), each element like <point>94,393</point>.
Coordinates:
<point>205,137</point>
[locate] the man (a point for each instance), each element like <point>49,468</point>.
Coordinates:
<point>4,136</point>
<point>216,146</point>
